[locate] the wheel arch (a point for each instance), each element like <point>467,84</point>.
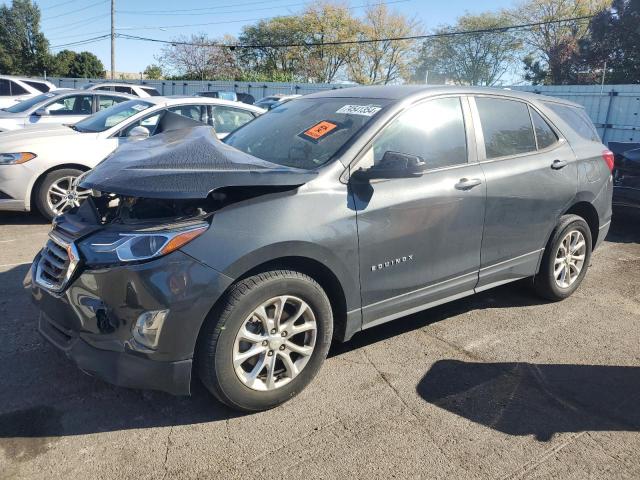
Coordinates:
<point>35,184</point>
<point>589,213</point>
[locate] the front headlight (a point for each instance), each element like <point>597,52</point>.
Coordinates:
<point>106,248</point>
<point>15,158</point>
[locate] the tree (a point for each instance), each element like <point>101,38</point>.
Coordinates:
<point>270,61</point>
<point>387,61</point>
<point>86,65</point>
<point>153,72</point>
<point>553,47</point>
<point>614,39</point>
<point>471,59</point>
<point>23,49</point>
<point>197,58</point>
<point>60,63</point>
<point>327,23</point>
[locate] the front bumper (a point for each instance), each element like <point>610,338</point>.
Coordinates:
<point>91,320</point>
<point>14,183</point>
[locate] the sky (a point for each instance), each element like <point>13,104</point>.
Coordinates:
<point>66,21</point>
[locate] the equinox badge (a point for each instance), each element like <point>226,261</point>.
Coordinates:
<point>391,263</point>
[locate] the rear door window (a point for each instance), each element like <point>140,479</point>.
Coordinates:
<point>545,136</point>
<point>227,119</point>
<point>506,126</point>
<point>194,112</point>
<point>106,101</point>
<point>577,119</point>
<point>17,89</point>
<point>41,87</point>
<point>124,90</point>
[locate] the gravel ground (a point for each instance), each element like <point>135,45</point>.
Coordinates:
<point>498,385</point>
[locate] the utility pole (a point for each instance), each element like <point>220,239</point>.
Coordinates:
<point>113,40</point>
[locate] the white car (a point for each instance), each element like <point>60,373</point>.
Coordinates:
<point>59,106</point>
<point>39,165</point>
<point>141,91</point>
<point>16,89</point>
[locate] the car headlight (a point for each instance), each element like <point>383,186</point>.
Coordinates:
<point>105,248</point>
<point>15,158</point>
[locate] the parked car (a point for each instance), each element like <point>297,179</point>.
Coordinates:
<point>234,96</point>
<point>626,174</point>
<point>274,100</point>
<point>142,91</point>
<point>57,107</point>
<point>15,89</point>
<point>238,262</point>
<point>39,164</point>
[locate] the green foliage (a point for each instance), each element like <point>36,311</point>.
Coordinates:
<point>86,65</point>
<point>474,59</point>
<point>23,48</point>
<point>153,72</point>
<point>614,39</point>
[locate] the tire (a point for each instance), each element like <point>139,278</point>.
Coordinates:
<point>556,287</point>
<point>220,342</point>
<point>42,192</point>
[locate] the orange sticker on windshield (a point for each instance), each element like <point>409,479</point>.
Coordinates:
<point>319,130</point>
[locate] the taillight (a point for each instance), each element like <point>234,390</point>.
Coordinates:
<point>609,159</point>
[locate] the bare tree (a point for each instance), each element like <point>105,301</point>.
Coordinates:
<point>383,62</point>
<point>198,58</point>
<point>473,58</point>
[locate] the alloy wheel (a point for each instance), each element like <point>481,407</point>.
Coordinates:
<point>275,343</point>
<point>569,259</point>
<point>64,194</point>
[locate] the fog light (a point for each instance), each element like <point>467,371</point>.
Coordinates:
<point>146,330</point>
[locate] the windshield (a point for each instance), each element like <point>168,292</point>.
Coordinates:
<point>305,133</point>
<point>112,116</point>
<point>27,104</point>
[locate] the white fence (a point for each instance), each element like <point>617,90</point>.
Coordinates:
<point>615,109</point>
<point>186,87</point>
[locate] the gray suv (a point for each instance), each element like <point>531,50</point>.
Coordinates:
<point>239,261</point>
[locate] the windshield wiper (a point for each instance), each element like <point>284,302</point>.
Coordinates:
<point>77,129</point>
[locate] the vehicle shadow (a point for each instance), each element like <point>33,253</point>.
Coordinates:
<point>536,399</point>
<point>22,218</point>
<point>625,225</point>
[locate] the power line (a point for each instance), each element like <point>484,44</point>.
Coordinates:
<point>75,11</point>
<point>363,41</point>
<point>58,5</point>
<point>161,27</point>
<point>82,42</point>
<point>198,11</point>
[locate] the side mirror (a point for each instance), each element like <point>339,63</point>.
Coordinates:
<point>139,133</point>
<point>42,112</point>
<point>395,165</point>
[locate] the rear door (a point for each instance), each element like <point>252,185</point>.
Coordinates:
<point>420,237</point>
<point>531,178</point>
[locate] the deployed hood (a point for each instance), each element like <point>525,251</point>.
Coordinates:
<point>186,164</point>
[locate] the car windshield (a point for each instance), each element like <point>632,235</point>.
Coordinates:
<point>29,103</point>
<point>305,133</point>
<point>109,117</point>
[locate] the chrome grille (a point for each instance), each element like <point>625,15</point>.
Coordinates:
<point>57,262</point>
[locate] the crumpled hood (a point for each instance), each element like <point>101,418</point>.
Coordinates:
<point>186,164</point>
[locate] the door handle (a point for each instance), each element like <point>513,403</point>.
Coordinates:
<point>467,183</point>
<point>558,164</point>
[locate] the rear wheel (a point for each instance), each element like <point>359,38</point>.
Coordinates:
<point>58,192</point>
<point>266,341</point>
<point>565,260</point>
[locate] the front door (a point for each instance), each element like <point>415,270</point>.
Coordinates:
<point>420,237</point>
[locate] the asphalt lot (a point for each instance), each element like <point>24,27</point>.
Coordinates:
<point>499,385</point>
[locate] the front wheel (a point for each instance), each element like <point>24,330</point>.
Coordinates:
<point>58,192</point>
<point>565,260</point>
<point>266,340</point>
